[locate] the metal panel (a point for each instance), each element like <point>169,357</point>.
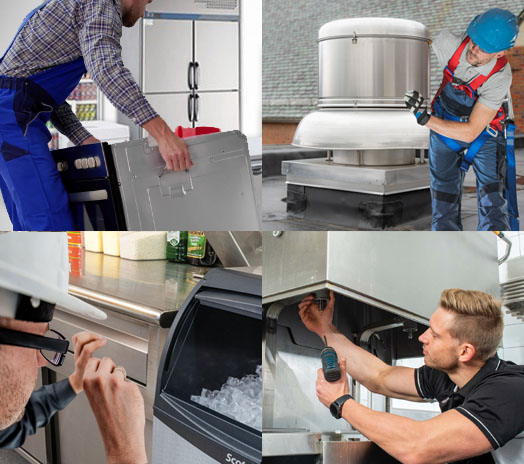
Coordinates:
<point>80,439</point>
<point>372,70</point>
<point>237,249</point>
<point>292,261</point>
<point>401,272</point>
<point>374,180</point>
<point>295,404</point>
<point>218,109</point>
<point>174,108</point>
<point>217,193</point>
<point>122,347</point>
<point>290,444</point>
<point>169,447</point>
<point>196,7</point>
<point>354,452</point>
<point>168,51</point>
<point>217,55</point>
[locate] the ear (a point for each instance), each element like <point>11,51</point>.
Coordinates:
<point>466,352</point>
<point>500,54</point>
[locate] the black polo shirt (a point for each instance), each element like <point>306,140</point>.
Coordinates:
<point>493,400</point>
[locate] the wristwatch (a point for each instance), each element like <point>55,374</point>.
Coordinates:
<point>336,407</point>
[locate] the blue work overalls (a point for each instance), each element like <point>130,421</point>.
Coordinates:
<point>31,186</point>
<point>447,178</point>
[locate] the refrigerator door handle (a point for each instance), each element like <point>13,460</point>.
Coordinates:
<point>196,78</point>
<point>197,107</point>
<point>190,107</point>
<point>190,75</point>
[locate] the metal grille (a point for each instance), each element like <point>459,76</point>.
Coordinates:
<point>219,4</point>
<point>513,297</point>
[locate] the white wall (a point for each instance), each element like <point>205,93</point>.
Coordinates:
<point>11,18</point>
<point>251,73</point>
<point>513,338</point>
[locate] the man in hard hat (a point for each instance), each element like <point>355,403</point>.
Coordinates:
<point>470,123</point>
<point>56,45</point>
<point>34,279</point>
<point>481,396</point>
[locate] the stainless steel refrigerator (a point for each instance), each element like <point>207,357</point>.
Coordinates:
<point>188,62</point>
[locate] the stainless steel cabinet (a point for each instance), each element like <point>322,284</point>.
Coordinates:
<point>168,50</point>
<point>174,108</point>
<point>216,55</point>
<point>218,109</point>
<point>190,71</point>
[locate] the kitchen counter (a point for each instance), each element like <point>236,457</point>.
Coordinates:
<point>151,291</point>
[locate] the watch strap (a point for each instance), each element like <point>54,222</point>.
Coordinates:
<point>336,406</point>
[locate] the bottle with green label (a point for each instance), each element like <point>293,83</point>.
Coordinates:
<point>199,251</point>
<point>176,250</point>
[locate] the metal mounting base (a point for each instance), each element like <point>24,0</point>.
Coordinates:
<point>382,180</point>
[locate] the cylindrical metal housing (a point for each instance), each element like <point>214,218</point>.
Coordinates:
<point>366,65</point>
<point>372,61</point>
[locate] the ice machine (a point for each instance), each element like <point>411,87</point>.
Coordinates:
<point>217,334</point>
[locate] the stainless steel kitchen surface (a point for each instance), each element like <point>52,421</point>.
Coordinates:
<point>140,299</point>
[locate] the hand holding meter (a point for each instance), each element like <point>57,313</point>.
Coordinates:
<point>330,365</point>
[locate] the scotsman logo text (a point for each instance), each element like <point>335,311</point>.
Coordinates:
<point>232,460</point>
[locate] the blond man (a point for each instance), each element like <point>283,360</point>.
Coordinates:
<point>481,396</point>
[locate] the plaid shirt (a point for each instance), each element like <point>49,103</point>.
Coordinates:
<point>65,30</point>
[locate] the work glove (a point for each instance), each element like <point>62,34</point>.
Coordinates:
<point>414,102</point>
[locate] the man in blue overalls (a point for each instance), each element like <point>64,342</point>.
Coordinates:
<point>466,121</point>
<point>55,46</point>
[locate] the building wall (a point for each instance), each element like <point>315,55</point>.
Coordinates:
<point>278,133</point>
<point>516,60</point>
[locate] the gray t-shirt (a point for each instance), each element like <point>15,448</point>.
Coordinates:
<point>494,91</point>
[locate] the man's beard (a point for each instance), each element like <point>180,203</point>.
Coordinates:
<point>14,395</point>
<point>449,365</point>
<point>474,61</point>
<point>128,19</point>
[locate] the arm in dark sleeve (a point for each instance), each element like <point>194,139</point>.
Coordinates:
<point>67,123</point>
<point>42,405</point>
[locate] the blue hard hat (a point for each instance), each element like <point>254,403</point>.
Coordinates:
<point>494,30</point>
